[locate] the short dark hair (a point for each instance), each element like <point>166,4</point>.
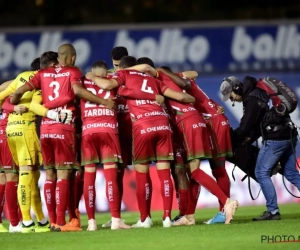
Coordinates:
<point>35,65</point>
<point>145,60</point>
<point>166,68</point>
<point>118,53</point>
<point>48,58</point>
<point>127,61</point>
<point>100,64</point>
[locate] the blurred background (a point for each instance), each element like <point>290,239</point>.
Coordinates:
<point>215,38</point>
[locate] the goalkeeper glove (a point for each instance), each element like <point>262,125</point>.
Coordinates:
<point>62,116</point>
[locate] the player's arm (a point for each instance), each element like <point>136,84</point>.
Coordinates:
<point>139,95</point>
<point>103,83</point>
<point>82,93</point>
<point>4,85</point>
<point>145,68</point>
<point>32,84</point>
<point>10,108</point>
<point>178,96</point>
<point>181,82</point>
<point>8,90</point>
<point>36,105</point>
<point>190,74</point>
<point>18,93</point>
<point>63,116</point>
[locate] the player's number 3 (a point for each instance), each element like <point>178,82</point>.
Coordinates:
<point>55,85</point>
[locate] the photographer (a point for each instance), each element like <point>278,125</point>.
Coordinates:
<point>278,132</point>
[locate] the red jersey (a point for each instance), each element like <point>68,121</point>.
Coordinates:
<point>203,104</point>
<point>97,118</point>
<point>141,82</point>
<point>56,83</point>
<point>3,121</point>
<point>182,110</point>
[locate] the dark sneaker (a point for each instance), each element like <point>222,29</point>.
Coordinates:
<point>178,217</point>
<point>268,216</point>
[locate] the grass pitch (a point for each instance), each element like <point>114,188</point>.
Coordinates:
<point>241,234</point>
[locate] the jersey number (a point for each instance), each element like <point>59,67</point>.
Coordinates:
<point>89,104</point>
<point>146,88</point>
<point>55,85</point>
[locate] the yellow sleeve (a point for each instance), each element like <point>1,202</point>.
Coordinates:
<point>9,90</point>
<point>36,106</point>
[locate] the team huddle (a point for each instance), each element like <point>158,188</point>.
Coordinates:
<point>133,114</point>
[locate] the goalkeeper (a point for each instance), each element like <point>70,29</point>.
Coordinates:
<point>25,148</point>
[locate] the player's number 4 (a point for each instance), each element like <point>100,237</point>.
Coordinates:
<point>146,88</point>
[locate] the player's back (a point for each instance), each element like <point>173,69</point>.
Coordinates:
<point>56,83</point>
<point>203,103</point>
<point>182,110</point>
<point>97,118</point>
<point>26,119</point>
<point>140,82</point>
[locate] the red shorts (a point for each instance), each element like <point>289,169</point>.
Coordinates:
<point>219,132</point>
<point>152,140</point>
<point>6,162</point>
<point>100,148</point>
<point>125,137</point>
<point>194,135</point>
<point>58,148</point>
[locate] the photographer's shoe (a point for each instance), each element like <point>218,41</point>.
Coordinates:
<point>268,216</point>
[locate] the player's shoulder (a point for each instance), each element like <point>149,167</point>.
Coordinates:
<point>117,74</point>
<point>26,74</point>
<point>72,69</point>
<point>111,71</point>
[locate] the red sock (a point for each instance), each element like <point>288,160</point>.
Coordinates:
<point>49,194</point>
<point>89,193</point>
<point>223,181</point>
<point>192,196</point>
<point>149,194</point>
<point>166,186</point>
<point>11,197</point>
<point>78,188</point>
<point>120,175</point>
<point>71,198</point>
<point>2,200</point>
<point>183,201</point>
<point>143,194</point>
<point>112,192</point>
<point>207,182</point>
<point>196,189</point>
<point>62,192</point>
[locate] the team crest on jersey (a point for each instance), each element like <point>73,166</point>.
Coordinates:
<point>58,69</point>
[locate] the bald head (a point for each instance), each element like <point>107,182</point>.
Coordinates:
<point>66,55</point>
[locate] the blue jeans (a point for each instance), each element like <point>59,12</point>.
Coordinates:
<point>270,153</point>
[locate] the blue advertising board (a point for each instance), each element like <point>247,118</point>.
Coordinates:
<point>212,50</point>
<point>207,49</point>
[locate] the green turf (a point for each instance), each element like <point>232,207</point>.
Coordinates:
<point>241,234</point>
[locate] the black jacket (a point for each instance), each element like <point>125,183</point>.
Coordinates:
<point>255,106</point>
<point>278,127</point>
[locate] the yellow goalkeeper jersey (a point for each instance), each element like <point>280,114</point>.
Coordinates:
<point>25,120</point>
